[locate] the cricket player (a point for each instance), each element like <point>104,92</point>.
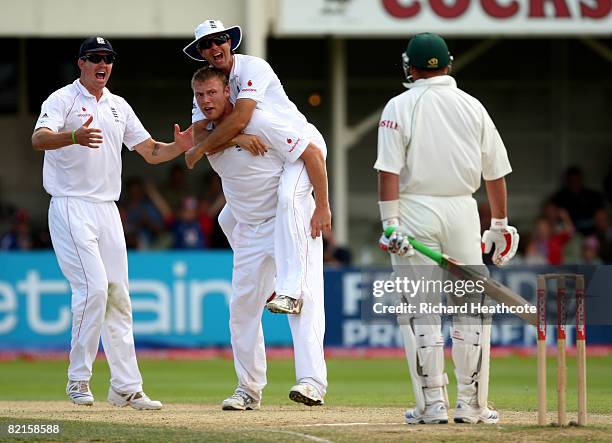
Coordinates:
<point>82,128</point>
<point>254,85</point>
<point>250,184</point>
<point>434,143</point>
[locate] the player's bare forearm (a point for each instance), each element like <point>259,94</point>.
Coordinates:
<point>231,126</point>
<point>200,131</point>
<point>388,186</point>
<point>496,192</point>
<point>315,166</point>
<point>44,139</point>
<point>155,152</point>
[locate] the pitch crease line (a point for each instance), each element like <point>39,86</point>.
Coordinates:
<point>299,434</point>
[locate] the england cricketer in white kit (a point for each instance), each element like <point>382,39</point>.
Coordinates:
<point>254,85</point>
<point>82,128</point>
<point>250,185</point>
<point>434,144</point>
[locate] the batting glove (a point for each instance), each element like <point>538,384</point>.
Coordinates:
<point>504,237</point>
<point>395,240</point>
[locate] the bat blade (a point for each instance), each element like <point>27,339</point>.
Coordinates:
<point>493,289</point>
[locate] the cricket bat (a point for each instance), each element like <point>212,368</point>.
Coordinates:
<point>492,288</point>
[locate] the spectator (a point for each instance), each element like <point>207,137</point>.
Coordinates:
<point>590,251</point>
<point>580,202</point>
<point>186,229</point>
<point>142,219</point>
<point>528,252</point>
<point>550,244</point>
<point>19,238</point>
<point>603,234</point>
<point>334,255</point>
<point>175,190</point>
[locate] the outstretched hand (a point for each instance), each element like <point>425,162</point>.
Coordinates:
<point>89,137</point>
<point>183,139</point>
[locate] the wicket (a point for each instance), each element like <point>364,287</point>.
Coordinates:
<point>561,344</point>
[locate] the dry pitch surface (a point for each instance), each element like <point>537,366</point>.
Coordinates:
<point>298,423</point>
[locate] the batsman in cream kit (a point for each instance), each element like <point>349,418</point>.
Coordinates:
<point>435,142</point>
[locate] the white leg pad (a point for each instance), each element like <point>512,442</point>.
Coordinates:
<point>471,350</point>
<point>424,346</point>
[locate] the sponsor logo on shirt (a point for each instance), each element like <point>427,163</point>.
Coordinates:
<point>44,115</point>
<point>115,114</point>
<point>388,124</point>
<point>250,83</point>
<point>290,141</point>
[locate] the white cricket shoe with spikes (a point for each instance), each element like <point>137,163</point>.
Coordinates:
<point>79,393</point>
<point>434,414</point>
<point>240,401</point>
<point>466,413</point>
<point>137,400</point>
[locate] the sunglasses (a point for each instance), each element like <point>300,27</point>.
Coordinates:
<point>217,40</point>
<point>97,58</point>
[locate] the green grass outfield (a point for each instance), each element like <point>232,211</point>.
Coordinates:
<point>365,383</point>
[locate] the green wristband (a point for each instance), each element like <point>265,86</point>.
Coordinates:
<point>74,137</point>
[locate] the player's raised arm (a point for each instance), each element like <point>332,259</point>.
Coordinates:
<point>158,152</point>
<point>44,138</point>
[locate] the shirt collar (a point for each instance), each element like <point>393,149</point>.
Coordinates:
<point>233,71</point>
<point>83,90</point>
<point>438,80</point>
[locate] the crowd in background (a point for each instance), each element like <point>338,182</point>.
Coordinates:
<point>169,215</point>
<point>572,227</point>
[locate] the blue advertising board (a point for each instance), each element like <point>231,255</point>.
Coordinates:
<point>180,300</point>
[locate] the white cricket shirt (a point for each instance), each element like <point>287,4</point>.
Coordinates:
<point>79,171</point>
<point>440,140</point>
<point>250,182</point>
<point>253,78</point>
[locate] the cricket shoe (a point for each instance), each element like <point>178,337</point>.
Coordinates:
<point>434,414</point>
<point>79,393</point>
<point>466,413</point>
<point>306,394</point>
<point>240,401</point>
<point>283,304</point>
<point>137,400</point>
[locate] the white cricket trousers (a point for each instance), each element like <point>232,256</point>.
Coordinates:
<point>289,248</point>
<point>90,248</point>
<point>253,283</point>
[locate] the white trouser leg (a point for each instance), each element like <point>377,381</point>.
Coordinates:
<point>252,283</point>
<point>227,223</point>
<point>291,220</point>
<point>290,229</point>
<point>117,328</point>
<point>74,235</point>
<point>308,328</point>
<point>471,335</point>
<point>422,334</point>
